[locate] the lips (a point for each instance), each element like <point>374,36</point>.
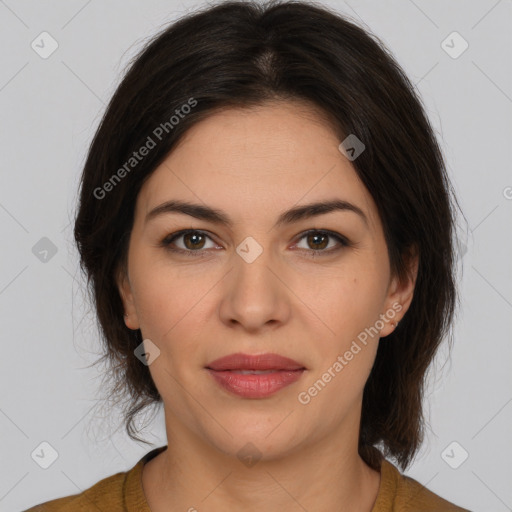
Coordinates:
<point>260,363</point>
<point>259,376</point>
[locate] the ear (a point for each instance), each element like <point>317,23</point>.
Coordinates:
<point>400,294</point>
<point>131,319</point>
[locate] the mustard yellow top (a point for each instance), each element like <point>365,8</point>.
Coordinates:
<point>123,492</point>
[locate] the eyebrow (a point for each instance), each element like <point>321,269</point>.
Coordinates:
<point>291,216</point>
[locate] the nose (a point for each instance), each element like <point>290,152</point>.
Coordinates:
<point>255,296</point>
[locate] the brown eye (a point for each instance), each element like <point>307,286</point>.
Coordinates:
<point>191,242</point>
<point>317,242</point>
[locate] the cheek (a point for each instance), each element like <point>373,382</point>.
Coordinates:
<point>172,308</point>
<point>346,302</point>
<point>174,305</point>
<point>167,295</point>
<point>346,353</point>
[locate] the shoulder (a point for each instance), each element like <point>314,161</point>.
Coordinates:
<point>106,493</point>
<point>405,494</point>
<point>117,493</point>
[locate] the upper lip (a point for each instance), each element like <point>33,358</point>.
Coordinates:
<point>265,361</point>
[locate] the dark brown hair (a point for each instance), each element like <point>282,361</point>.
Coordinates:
<point>243,54</point>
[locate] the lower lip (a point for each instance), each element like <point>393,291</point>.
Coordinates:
<point>256,385</point>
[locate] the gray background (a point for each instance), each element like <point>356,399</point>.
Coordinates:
<point>49,111</point>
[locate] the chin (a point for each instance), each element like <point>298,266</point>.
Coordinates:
<point>257,441</point>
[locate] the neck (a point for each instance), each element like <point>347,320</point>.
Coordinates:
<point>192,475</point>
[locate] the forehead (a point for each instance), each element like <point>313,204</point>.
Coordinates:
<point>262,159</point>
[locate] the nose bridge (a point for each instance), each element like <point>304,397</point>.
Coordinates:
<point>255,295</point>
<point>253,265</point>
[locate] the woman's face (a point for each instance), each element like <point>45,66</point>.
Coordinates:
<point>257,286</point>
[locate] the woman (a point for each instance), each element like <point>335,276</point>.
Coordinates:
<point>266,224</point>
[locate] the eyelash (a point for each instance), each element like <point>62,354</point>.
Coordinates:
<point>169,239</point>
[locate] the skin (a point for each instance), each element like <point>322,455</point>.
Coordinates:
<point>253,164</point>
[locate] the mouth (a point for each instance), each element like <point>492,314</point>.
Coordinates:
<point>258,376</point>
